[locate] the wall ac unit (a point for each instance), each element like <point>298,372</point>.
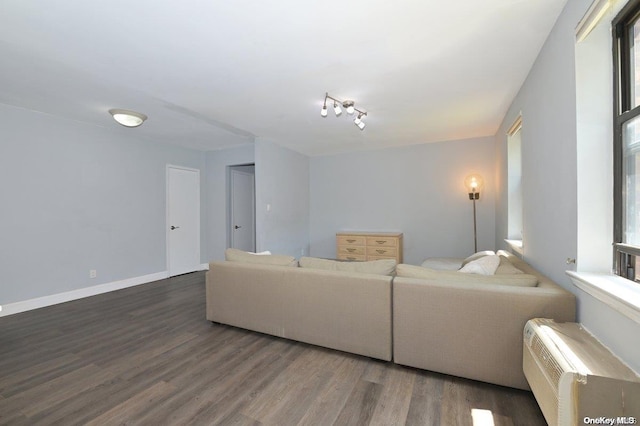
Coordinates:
<point>575,379</point>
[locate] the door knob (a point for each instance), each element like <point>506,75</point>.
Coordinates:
<point>237,227</point>
<point>174,227</point>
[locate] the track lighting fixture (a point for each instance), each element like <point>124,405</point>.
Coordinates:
<point>348,105</point>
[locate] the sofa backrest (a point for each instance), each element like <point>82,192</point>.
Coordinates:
<point>543,280</point>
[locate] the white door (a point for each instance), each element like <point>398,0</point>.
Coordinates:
<point>243,231</point>
<point>183,220</point>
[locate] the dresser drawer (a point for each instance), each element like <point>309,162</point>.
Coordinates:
<point>351,240</point>
<point>382,251</point>
<point>352,257</point>
<point>382,258</point>
<point>351,250</point>
<point>382,241</point>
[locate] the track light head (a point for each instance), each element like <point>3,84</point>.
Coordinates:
<point>323,112</point>
<point>349,105</point>
<point>337,109</point>
<point>358,121</point>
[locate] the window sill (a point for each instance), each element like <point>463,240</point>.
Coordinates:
<point>620,293</point>
<point>516,246</point>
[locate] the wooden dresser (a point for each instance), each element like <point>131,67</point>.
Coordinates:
<point>369,245</point>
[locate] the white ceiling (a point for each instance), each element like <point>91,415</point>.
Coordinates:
<point>213,74</point>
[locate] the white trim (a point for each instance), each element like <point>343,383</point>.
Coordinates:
<point>590,19</point>
<point>204,267</point>
<point>517,246</point>
<point>54,299</point>
<point>621,294</point>
<point>517,125</point>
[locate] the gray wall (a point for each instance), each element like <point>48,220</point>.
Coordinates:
<point>418,190</point>
<point>216,199</point>
<point>77,197</point>
<point>282,182</point>
<point>547,100</point>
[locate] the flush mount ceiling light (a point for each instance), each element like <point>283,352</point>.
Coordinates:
<point>349,106</point>
<point>128,118</point>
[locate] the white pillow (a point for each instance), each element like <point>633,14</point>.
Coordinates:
<point>486,265</point>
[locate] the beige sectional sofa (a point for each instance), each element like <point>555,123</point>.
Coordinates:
<point>472,330</point>
<point>460,324</point>
<point>348,311</point>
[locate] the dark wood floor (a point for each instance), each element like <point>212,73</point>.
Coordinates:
<point>147,355</point>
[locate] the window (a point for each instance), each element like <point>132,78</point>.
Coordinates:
<point>626,127</point>
<point>514,181</point>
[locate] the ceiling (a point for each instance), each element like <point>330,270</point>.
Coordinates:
<point>216,74</point>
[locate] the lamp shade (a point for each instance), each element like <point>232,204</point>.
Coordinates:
<point>128,118</point>
<point>474,183</point>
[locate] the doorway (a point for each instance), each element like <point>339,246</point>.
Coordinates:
<point>242,207</point>
<point>183,220</point>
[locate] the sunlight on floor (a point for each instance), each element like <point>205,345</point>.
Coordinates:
<point>482,417</point>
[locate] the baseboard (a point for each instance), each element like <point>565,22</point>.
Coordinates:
<point>54,299</point>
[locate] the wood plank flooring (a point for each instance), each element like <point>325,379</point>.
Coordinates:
<point>147,355</point>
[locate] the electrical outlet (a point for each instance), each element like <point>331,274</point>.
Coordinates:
<point>93,273</point>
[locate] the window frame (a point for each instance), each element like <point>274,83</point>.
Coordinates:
<point>623,111</point>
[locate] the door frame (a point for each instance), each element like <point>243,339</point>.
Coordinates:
<point>167,218</point>
<point>230,168</point>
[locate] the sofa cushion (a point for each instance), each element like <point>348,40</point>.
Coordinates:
<point>506,267</point>
<point>443,263</point>
<point>486,265</point>
<point>477,255</point>
<point>235,255</point>
<point>451,277</point>
<point>377,267</point>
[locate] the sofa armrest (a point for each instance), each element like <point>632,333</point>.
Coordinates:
<point>468,330</point>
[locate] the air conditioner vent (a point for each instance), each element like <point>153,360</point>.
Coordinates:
<point>551,368</point>
<point>574,377</point>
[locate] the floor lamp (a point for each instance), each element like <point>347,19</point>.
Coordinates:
<point>474,184</point>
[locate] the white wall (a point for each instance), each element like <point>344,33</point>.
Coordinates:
<point>282,183</point>
<point>216,199</point>
<point>418,190</point>
<point>547,100</point>
<point>77,197</point>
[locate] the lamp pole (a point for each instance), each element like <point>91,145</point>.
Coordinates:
<point>474,196</point>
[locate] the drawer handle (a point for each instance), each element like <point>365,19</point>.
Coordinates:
<point>351,241</point>
<point>381,251</point>
<point>351,250</point>
<point>381,241</point>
